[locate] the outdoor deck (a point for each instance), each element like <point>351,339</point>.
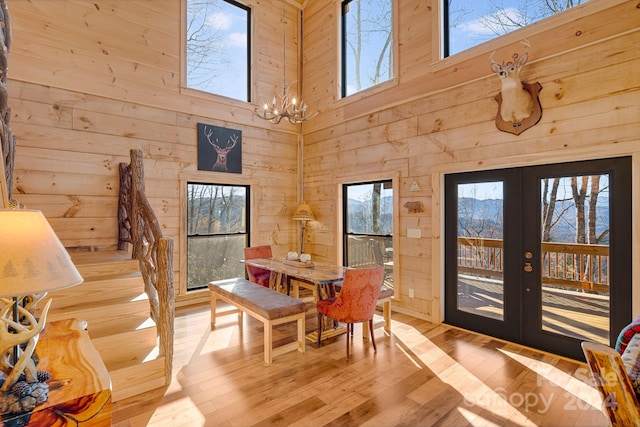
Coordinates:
<point>568,312</point>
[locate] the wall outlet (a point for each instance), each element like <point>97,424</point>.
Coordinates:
<point>410,292</point>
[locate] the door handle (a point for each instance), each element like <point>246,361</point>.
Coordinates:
<point>528,268</point>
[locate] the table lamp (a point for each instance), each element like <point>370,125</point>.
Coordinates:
<point>303,214</point>
<point>32,261</point>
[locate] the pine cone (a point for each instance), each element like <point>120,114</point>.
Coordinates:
<point>43,376</point>
<point>20,389</point>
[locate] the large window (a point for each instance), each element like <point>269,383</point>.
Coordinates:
<point>368,226</point>
<point>217,232</point>
<point>471,22</point>
<point>218,48</point>
<point>366,44</point>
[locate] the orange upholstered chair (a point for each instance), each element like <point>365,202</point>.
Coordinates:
<point>256,274</point>
<point>356,301</point>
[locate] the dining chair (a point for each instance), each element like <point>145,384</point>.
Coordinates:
<point>356,302</point>
<point>256,274</point>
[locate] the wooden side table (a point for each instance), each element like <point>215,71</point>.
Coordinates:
<point>80,386</point>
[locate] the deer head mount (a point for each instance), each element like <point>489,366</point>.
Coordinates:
<point>518,103</point>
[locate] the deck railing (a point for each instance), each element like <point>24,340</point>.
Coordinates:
<point>564,265</point>
<point>368,251</point>
<point>138,225</point>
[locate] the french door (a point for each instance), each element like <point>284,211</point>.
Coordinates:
<point>540,255</point>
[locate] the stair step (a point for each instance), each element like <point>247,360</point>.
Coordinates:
<point>133,322</point>
<point>104,292</point>
<point>126,348</point>
<point>105,264</point>
<point>134,380</point>
<point>100,316</point>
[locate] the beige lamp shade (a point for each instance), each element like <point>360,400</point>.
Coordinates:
<point>32,258</point>
<point>303,213</point>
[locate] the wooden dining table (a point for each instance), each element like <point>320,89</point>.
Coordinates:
<point>319,274</point>
<point>323,275</point>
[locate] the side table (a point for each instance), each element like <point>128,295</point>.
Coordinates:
<point>79,387</point>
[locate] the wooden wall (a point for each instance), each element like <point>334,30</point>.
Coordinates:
<point>437,116</point>
<point>90,80</point>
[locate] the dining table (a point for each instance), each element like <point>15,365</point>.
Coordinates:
<point>322,275</point>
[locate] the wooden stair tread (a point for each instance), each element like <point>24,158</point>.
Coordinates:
<point>97,257</point>
<point>114,291</point>
<point>134,322</point>
<point>131,352</point>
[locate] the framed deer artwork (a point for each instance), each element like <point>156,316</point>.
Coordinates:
<point>219,149</point>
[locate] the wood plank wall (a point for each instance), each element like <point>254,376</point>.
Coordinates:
<point>91,80</point>
<point>437,116</point>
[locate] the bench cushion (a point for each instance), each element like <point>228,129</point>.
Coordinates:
<point>262,301</point>
<point>386,292</point>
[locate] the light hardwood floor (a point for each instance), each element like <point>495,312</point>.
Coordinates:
<point>422,375</point>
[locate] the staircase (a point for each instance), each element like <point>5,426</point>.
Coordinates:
<point>113,302</point>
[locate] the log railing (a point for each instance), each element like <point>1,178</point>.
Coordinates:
<point>566,265</point>
<point>138,225</point>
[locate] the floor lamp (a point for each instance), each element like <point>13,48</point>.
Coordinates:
<point>303,214</point>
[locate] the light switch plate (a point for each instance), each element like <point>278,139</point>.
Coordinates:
<point>414,233</point>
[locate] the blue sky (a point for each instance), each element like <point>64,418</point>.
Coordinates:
<point>473,22</point>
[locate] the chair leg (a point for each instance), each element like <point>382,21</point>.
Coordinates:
<point>319,328</point>
<point>373,338</point>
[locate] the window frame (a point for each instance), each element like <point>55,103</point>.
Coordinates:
<point>247,227</point>
<point>390,279</point>
<point>441,33</point>
<point>342,55</point>
<point>200,93</point>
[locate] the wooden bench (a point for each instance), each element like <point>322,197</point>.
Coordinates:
<point>264,304</point>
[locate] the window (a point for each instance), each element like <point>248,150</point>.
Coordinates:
<point>366,44</point>
<point>218,53</point>
<point>468,23</point>
<point>368,226</point>
<point>217,232</point>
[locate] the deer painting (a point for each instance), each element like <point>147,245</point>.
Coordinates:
<point>221,161</point>
<point>519,106</point>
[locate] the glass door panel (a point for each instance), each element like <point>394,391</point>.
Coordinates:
<point>574,290</point>
<point>480,251</point>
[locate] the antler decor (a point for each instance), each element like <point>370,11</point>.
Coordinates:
<point>23,386</point>
<point>518,103</point>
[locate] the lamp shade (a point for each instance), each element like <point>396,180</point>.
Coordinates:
<point>303,213</point>
<point>32,258</point>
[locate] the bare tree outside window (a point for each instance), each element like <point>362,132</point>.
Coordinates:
<point>472,22</point>
<point>217,47</point>
<point>216,232</point>
<point>367,44</point>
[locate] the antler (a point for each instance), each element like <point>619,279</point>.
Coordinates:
<point>208,135</point>
<point>234,139</point>
<point>27,332</point>
<point>520,60</point>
